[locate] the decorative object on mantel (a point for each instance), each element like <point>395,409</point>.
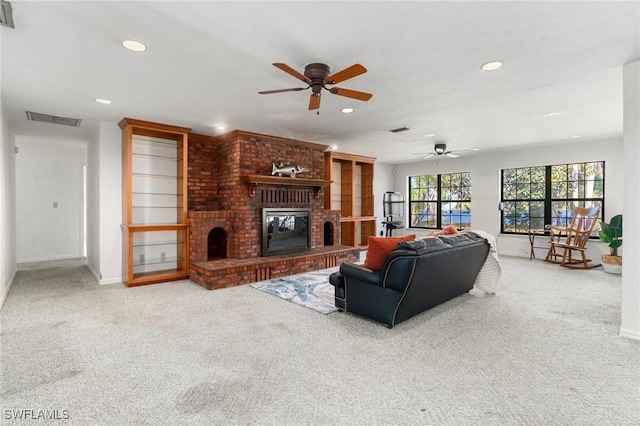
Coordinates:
<point>288,170</point>
<point>611,234</point>
<point>255,180</point>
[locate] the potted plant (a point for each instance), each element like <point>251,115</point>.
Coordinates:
<point>611,234</point>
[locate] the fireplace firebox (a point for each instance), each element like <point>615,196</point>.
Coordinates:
<point>285,230</point>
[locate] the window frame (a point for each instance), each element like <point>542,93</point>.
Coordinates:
<point>439,201</point>
<point>549,198</point>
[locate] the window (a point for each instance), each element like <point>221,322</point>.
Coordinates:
<point>535,196</point>
<point>436,201</point>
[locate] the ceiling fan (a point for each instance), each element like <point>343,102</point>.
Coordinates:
<point>317,77</point>
<point>440,150</point>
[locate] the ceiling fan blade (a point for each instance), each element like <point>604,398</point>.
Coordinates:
<point>451,154</point>
<point>362,96</point>
<point>428,156</point>
<point>314,101</point>
<point>286,68</point>
<point>295,89</point>
<point>347,73</point>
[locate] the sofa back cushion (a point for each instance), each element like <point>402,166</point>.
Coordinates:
<point>460,239</point>
<point>421,245</point>
<point>379,249</point>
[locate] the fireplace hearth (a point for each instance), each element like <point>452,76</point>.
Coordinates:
<point>246,225</point>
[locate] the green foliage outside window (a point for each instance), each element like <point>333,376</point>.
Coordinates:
<point>436,201</point>
<point>535,196</point>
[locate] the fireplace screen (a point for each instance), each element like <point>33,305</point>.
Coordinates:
<point>285,230</point>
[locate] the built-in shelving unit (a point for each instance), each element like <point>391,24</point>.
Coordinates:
<point>351,192</point>
<point>154,194</point>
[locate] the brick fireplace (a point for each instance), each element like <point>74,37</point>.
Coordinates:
<point>230,183</point>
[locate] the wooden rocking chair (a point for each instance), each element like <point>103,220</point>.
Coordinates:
<point>565,240</point>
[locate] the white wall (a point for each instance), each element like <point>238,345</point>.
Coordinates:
<point>485,182</point>
<point>49,172</point>
<point>7,209</point>
<point>93,202</point>
<point>110,205</point>
<point>382,182</point>
<point>104,203</point>
<point>630,318</point>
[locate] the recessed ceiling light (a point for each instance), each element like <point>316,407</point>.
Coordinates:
<point>574,137</point>
<point>347,110</point>
<point>334,147</point>
<point>475,149</point>
<point>429,135</point>
<point>103,101</point>
<point>135,46</point>
<point>492,66</point>
<point>551,114</point>
<point>220,127</point>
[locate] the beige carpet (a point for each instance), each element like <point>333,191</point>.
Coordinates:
<point>544,350</point>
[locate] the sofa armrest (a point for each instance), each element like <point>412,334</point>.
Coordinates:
<point>360,273</point>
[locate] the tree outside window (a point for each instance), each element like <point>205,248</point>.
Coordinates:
<point>535,196</point>
<point>436,201</point>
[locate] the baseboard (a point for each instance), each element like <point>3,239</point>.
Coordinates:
<point>5,293</point>
<point>45,259</point>
<point>99,279</point>
<point>111,281</point>
<point>513,254</point>
<point>93,272</point>
<point>629,334</point>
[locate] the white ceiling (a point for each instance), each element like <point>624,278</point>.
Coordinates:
<point>206,61</point>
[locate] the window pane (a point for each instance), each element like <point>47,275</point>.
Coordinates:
<point>560,211</point>
<point>538,175</point>
<point>523,175</point>
<point>423,215</point>
<point>509,191</point>
<point>538,191</point>
<point>558,173</point>
<point>524,190</point>
<point>559,190</point>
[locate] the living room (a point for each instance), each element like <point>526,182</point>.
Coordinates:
<point>467,110</point>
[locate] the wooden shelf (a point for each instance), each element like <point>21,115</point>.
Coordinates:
<point>357,219</point>
<point>255,180</point>
<point>355,193</point>
<point>162,236</point>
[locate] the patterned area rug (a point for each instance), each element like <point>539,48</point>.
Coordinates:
<point>311,289</point>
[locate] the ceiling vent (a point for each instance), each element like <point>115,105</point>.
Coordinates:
<point>53,119</point>
<point>400,129</point>
<point>6,14</point>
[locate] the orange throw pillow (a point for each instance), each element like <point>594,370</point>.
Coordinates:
<point>379,248</point>
<point>449,230</point>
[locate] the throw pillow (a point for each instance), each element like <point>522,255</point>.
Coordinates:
<point>379,248</point>
<point>448,230</point>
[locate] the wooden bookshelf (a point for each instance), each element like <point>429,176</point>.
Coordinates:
<point>352,194</point>
<point>155,239</point>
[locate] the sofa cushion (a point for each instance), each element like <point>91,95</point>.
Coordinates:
<point>422,245</point>
<point>462,238</point>
<point>379,249</point>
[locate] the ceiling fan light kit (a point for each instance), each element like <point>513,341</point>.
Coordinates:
<point>316,76</point>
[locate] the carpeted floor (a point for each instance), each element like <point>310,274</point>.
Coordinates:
<point>544,350</point>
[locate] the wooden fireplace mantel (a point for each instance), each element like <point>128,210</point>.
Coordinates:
<point>255,180</point>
